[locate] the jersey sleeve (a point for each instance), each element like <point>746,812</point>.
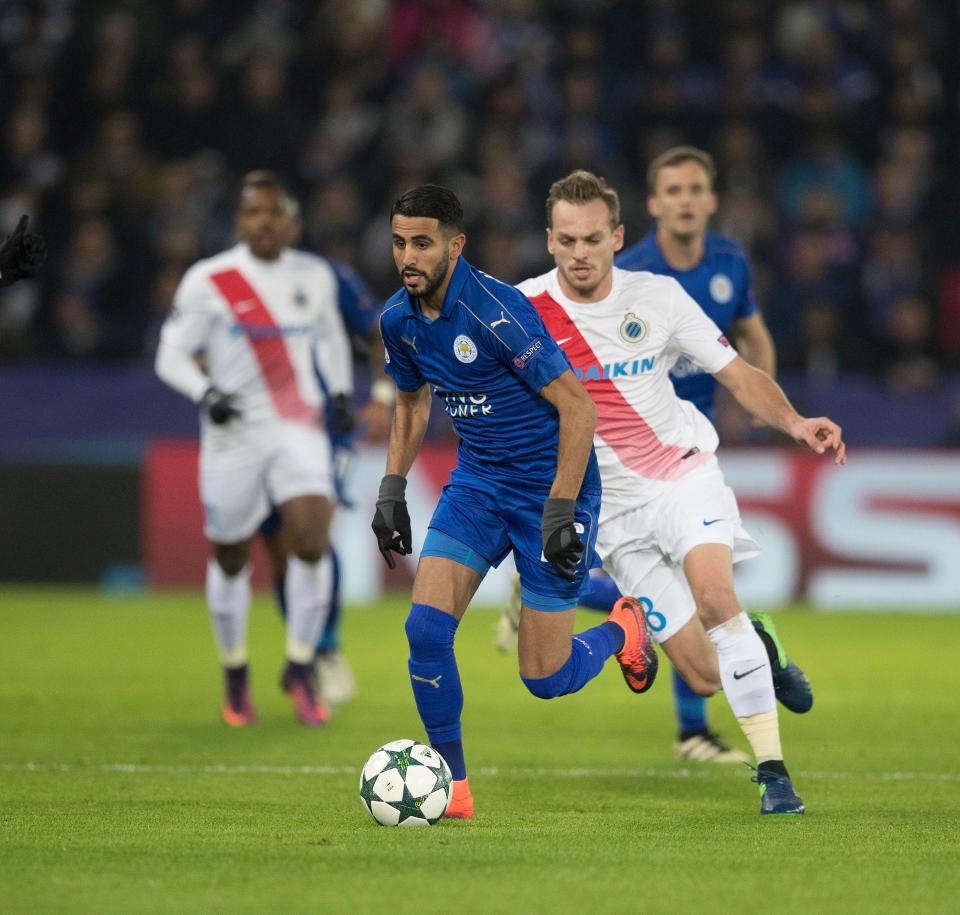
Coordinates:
<point>332,346</point>
<point>746,298</point>
<point>695,335</point>
<point>358,307</point>
<point>396,363</point>
<point>184,334</point>
<point>520,341</point>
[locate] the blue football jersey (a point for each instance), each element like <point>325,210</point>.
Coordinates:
<point>486,357</point>
<point>720,284</point>
<point>357,304</point>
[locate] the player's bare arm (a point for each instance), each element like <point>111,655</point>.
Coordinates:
<point>761,396</point>
<point>578,419</point>
<point>409,426</point>
<point>754,343</point>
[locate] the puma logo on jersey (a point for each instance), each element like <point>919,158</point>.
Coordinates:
<point>434,682</point>
<point>500,320</point>
<point>411,343</point>
<point>246,305</point>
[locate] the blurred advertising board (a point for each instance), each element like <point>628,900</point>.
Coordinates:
<point>882,532</point>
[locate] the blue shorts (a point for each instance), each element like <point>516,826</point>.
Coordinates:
<point>478,521</point>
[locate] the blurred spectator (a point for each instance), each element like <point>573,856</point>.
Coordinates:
<point>263,129</point>
<point>825,171</point>
<point>835,126</point>
<point>907,347</point>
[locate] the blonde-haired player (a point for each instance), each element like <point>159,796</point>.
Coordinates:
<point>670,528</point>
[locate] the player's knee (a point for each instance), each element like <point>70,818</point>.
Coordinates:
<point>716,604</point>
<point>231,558</point>
<point>429,632</point>
<point>310,546</point>
<point>541,687</point>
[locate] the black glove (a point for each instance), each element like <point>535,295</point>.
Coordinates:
<point>562,546</point>
<point>22,254</point>
<point>391,523</point>
<point>339,415</point>
<point>219,406</point>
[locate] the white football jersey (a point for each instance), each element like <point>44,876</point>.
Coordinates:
<point>264,328</point>
<point>622,348</point>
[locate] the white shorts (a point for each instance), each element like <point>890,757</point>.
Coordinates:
<point>266,466</point>
<point>643,548</point>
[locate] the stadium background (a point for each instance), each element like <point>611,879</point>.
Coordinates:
<point>835,129</point>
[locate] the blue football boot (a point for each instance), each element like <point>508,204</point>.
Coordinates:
<point>790,684</point>
<point>776,793</point>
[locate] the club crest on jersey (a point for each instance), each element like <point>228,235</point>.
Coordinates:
<point>464,348</point>
<point>300,298</point>
<point>632,330</point>
<point>721,288</point>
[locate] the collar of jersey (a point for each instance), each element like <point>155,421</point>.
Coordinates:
<point>461,273</point>
<point>708,241</point>
<point>556,292</point>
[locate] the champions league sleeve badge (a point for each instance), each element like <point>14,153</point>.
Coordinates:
<point>632,329</point>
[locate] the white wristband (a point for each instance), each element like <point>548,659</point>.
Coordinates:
<point>382,391</point>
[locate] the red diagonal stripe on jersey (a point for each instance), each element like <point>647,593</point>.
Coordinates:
<point>268,346</point>
<point>620,426</point>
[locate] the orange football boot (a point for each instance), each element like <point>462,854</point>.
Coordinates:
<point>461,802</point>
<point>307,705</point>
<point>638,657</point>
<point>238,710</point>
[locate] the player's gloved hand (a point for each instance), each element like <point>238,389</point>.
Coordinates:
<point>219,406</point>
<point>391,523</point>
<point>22,254</point>
<point>339,415</point>
<point>562,545</point>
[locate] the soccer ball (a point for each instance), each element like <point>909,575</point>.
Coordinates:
<point>405,783</point>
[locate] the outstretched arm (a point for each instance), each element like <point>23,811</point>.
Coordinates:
<point>761,396</point>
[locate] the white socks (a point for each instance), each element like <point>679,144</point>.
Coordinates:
<point>309,589</point>
<point>228,598</point>
<point>748,683</point>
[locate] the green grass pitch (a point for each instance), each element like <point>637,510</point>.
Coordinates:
<point>121,791</point>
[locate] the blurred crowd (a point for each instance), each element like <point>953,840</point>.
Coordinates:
<point>834,124</point>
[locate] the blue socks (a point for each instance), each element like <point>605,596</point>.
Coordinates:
<point>330,637</point>
<point>436,681</point>
<point>691,708</point>
<point>590,650</point>
<point>599,592</point>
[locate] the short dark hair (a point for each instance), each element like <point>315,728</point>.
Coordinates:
<point>677,156</point>
<point>266,179</point>
<point>433,202</point>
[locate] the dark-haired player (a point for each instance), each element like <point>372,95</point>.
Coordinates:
<point>526,478</point>
<point>263,316</point>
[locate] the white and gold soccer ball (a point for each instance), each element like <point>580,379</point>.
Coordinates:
<point>405,783</point>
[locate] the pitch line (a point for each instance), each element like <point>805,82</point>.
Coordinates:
<point>713,772</point>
